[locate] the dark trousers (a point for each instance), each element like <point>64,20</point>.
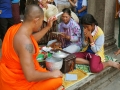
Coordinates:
<point>22,6</point>
<point>94,61</point>
<point>15,12</point>
<point>5,23</point>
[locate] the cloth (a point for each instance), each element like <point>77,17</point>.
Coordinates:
<point>84,3</point>
<point>15,12</point>
<point>94,60</point>
<point>80,4</point>
<point>5,23</point>
<point>73,30</point>
<point>97,46</point>
<point>5,7</point>
<point>89,50</point>
<point>22,6</point>
<point>119,1</point>
<point>80,76</point>
<point>62,2</point>
<point>15,1</point>
<point>55,2</point>
<point>11,74</point>
<point>72,48</point>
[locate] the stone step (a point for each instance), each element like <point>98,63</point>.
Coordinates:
<point>95,81</point>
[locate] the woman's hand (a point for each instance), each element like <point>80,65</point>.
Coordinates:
<point>118,52</point>
<point>88,37</point>
<point>63,35</point>
<point>87,34</point>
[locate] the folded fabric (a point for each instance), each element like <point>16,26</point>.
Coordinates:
<point>80,76</point>
<point>70,77</point>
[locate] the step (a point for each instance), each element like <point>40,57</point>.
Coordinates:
<point>94,81</point>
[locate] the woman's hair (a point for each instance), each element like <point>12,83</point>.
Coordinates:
<point>88,19</point>
<point>67,10</point>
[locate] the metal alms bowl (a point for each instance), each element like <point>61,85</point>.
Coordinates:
<point>54,63</point>
<point>60,54</point>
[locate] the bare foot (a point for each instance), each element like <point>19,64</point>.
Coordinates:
<point>114,64</point>
<point>61,88</point>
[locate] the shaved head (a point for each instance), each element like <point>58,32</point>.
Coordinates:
<point>32,12</point>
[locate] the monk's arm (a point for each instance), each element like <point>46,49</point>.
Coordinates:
<point>41,33</point>
<point>25,50</point>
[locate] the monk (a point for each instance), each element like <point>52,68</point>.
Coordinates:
<point>19,69</point>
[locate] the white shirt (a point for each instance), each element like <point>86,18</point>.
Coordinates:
<point>119,1</point>
<point>119,14</point>
<point>61,2</point>
<point>84,3</point>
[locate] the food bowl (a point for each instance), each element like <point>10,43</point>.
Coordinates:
<point>54,63</point>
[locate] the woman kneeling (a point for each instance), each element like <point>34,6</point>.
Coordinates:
<point>93,50</point>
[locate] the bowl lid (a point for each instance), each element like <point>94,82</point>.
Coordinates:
<point>60,54</point>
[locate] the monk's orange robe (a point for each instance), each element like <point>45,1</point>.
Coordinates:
<point>11,74</point>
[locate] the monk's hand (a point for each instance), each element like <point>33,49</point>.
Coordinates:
<point>118,52</point>
<point>50,21</point>
<point>56,74</point>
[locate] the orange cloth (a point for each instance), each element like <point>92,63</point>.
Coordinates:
<point>11,74</point>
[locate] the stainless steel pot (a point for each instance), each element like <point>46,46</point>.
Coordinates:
<point>53,63</point>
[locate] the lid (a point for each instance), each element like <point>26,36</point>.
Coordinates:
<point>53,59</point>
<point>60,54</point>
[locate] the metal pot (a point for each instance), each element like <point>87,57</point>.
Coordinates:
<point>53,63</point>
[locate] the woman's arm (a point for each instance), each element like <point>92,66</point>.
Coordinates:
<point>73,3</point>
<point>25,50</point>
<point>82,9</point>
<point>84,6</point>
<point>96,46</point>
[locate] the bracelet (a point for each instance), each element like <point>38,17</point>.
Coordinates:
<point>92,44</point>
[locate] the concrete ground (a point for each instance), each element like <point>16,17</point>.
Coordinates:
<point>112,83</point>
